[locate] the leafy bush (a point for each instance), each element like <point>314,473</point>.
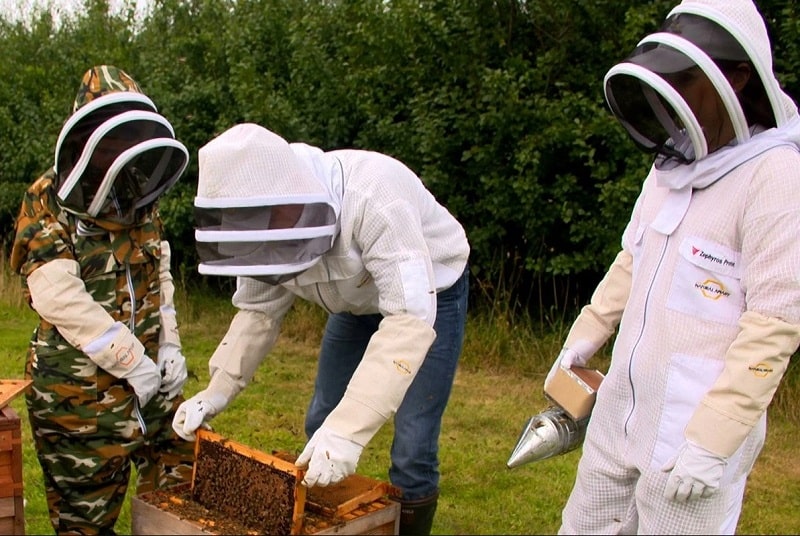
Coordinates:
<point>497,104</point>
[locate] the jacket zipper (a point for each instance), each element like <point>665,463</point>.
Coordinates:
<point>136,409</point>
<point>641,333</point>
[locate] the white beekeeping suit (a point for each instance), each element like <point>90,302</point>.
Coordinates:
<point>705,292</point>
<point>357,233</point>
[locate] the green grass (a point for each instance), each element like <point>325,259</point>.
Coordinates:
<point>498,386</point>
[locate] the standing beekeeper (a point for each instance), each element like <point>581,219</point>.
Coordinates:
<point>706,290</point>
<point>359,234</point>
<point>105,358</point>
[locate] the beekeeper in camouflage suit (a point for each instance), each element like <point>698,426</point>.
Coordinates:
<point>105,358</point>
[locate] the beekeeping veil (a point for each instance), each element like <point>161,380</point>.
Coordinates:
<point>262,208</point>
<point>115,153</point>
<point>642,91</point>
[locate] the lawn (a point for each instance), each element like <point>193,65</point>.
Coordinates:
<point>491,401</point>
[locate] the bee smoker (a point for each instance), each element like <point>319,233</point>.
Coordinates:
<point>550,433</point>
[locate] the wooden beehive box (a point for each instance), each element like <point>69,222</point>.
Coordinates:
<point>239,490</point>
<point>12,518</point>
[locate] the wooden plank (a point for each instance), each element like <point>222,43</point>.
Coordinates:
<point>7,507</point>
<point>10,389</point>
<point>384,520</point>
<point>373,494</point>
<point>343,497</point>
<point>10,489</point>
<point>7,525</point>
<point>6,440</point>
<point>6,472</point>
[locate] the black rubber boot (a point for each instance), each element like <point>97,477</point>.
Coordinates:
<point>416,516</point>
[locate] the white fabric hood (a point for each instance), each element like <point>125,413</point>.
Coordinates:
<point>695,34</point>
<point>264,208</point>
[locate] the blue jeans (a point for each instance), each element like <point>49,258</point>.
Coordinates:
<point>415,448</point>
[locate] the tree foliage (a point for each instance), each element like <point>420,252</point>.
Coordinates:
<point>497,104</point>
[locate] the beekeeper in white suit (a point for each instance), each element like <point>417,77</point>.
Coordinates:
<point>705,292</point>
<point>358,233</point>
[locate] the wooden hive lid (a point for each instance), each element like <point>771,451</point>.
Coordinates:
<point>10,389</point>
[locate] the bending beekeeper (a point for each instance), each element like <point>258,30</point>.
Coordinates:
<point>357,233</point>
<point>705,293</point>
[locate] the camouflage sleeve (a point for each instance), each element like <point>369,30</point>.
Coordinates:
<point>39,236</point>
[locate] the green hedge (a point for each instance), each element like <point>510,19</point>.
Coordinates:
<point>497,104</point>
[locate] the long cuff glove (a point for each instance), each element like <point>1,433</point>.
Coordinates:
<point>566,358</point>
<point>145,379</point>
<point>198,410</point>
<point>121,354</point>
<point>329,457</point>
<point>694,473</point>
<point>59,296</point>
<point>173,369</point>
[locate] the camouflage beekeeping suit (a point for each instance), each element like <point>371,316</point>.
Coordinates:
<point>88,420</point>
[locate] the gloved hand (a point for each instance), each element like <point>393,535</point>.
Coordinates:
<point>566,359</point>
<point>194,413</point>
<point>121,354</point>
<point>695,473</point>
<point>330,458</point>
<point>173,370</point>
<point>145,379</point>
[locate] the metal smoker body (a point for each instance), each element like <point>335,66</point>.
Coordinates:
<point>550,433</point>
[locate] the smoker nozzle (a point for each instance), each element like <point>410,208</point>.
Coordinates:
<point>550,433</point>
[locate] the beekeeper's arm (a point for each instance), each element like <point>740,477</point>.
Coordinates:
<point>599,319</point>
<point>769,333</point>
<point>396,256</point>
<point>250,337</point>
<point>754,366</point>
<point>41,254</point>
<point>171,362</point>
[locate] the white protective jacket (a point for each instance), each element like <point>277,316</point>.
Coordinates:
<point>705,301</point>
<point>396,248</point>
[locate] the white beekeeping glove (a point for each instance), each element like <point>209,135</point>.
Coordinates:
<point>196,411</point>
<point>329,457</point>
<point>174,373</point>
<point>121,354</point>
<point>566,358</point>
<point>694,473</point>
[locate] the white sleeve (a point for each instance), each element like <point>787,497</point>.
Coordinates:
<point>59,296</point>
<point>251,334</point>
<point>169,321</point>
<point>754,366</point>
<point>390,363</point>
<point>599,319</point>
